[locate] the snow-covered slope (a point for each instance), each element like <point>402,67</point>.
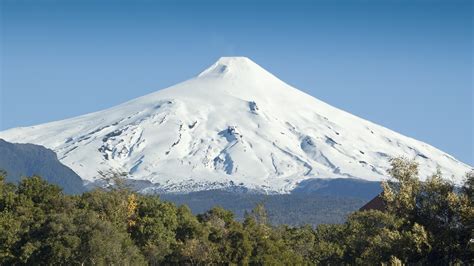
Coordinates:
<point>235,124</point>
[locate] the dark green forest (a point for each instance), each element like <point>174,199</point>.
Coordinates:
<point>292,209</point>
<point>428,222</point>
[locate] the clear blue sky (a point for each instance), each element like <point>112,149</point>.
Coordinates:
<point>405,64</point>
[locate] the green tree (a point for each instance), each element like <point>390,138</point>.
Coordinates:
<point>154,230</point>
<point>373,237</point>
<point>329,246</point>
<point>103,243</point>
<point>227,236</point>
<point>444,211</point>
<point>268,246</point>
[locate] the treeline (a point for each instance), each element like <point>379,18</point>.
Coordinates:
<point>424,223</point>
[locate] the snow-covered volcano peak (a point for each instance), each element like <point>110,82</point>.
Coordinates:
<point>242,78</point>
<point>235,60</point>
<point>235,67</point>
<point>234,124</point>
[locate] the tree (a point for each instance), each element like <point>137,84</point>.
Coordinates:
<point>329,246</point>
<point>443,210</point>
<point>425,222</point>
<point>10,229</point>
<point>227,236</point>
<point>268,246</point>
<point>154,229</point>
<point>103,243</point>
<point>373,237</point>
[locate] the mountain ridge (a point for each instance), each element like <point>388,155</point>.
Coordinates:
<point>25,160</point>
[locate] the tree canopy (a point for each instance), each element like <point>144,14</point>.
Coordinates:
<point>425,222</point>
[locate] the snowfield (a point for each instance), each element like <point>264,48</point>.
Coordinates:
<point>235,124</point>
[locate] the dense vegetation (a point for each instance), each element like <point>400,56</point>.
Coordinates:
<point>292,209</point>
<point>424,222</point>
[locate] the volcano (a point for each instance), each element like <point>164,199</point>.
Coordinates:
<point>233,125</point>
